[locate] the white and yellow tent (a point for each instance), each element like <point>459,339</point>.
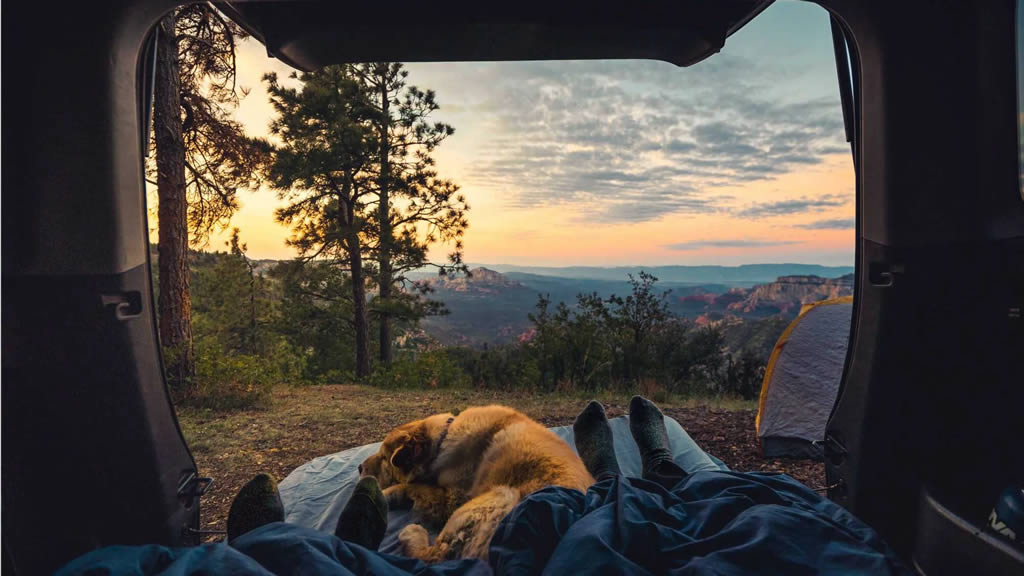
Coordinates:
<point>802,380</point>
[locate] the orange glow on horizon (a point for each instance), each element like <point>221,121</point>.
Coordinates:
<point>555,236</point>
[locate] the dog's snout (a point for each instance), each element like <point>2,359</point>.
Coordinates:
<point>360,468</point>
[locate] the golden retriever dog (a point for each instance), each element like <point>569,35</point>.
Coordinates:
<point>465,472</point>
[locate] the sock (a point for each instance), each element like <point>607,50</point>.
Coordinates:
<point>364,520</point>
<point>647,424</point>
<point>593,438</point>
<point>257,504</point>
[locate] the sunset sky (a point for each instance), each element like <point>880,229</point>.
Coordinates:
<point>739,159</point>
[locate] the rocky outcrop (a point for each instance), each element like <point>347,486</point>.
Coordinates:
<point>481,280</point>
<point>789,293</point>
<point>783,297</point>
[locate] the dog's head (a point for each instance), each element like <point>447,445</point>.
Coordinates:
<point>407,452</point>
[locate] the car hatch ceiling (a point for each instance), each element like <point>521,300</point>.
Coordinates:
<point>309,35</point>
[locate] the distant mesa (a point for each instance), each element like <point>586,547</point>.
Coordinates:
<point>789,293</point>
<point>482,280</point>
<point>785,296</point>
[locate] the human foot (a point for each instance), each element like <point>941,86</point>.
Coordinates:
<point>647,424</point>
<point>593,439</point>
<point>364,520</point>
<point>258,503</point>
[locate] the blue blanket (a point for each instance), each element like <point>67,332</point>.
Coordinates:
<point>711,522</point>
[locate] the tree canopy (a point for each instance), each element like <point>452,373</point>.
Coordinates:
<point>354,164</point>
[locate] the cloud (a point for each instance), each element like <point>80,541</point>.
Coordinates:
<point>633,209</point>
<point>830,224</point>
<point>697,245</point>
<point>837,150</point>
<point>633,141</point>
<point>715,134</point>
<point>680,146</point>
<point>788,207</point>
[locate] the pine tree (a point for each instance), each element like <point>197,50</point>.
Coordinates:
<point>202,158</point>
<point>316,312</point>
<point>173,300</point>
<point>230,302</point>
<point>414,207</point>
<point>321,169</point>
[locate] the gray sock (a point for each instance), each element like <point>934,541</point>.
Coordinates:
<point>364,520</point>
<point>647,424</point>
<point>593,438</point>
<point>257,504</point>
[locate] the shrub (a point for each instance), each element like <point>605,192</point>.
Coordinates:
<point>287,364</point>
<point>226,381</point>
<point>619,343</point>
<point>332,376</point>
<point>432,369</point>
<point>501,367</point>
<point>743,376</point>
<point>652,389</point>
<point>180,387</point>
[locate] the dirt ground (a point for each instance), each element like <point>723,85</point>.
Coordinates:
<point>306,422</point>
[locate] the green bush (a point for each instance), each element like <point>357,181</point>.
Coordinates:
<point>179,386</point>
<point>432,369</point>
<point>332,376</point>
<point>226,381</point>
<point>743,376</point>
<point>287,364</point>
<point>502,367</point>
<point>314,315</point>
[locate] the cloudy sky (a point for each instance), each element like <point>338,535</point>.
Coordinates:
<point>738,159</point>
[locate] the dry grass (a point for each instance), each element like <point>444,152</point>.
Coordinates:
<point>306,422</point>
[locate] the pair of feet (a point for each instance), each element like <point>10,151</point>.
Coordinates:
<point>593,437</point>
<point>363,521</point>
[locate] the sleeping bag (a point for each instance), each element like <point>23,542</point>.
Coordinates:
<point>716,522</point>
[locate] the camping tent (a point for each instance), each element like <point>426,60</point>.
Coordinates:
<point>802,380</point>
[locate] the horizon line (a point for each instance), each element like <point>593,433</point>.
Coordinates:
<point>612,267</point>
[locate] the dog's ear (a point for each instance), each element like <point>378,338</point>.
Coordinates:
<point>412,451</point>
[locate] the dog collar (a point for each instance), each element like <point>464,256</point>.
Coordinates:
<point>444,433</point>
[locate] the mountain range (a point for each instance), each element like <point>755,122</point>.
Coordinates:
<point>744,274</point>
<point>490,307</point>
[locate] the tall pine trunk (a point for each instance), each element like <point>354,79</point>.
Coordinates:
<point>174,302</point>
<point>384,213</point>
<point>252,341</point>
<point>359,309</point>
<point>355,261</point>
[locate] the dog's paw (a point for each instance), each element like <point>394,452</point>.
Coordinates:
<point>397,497</point>
<point>414,540</point>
